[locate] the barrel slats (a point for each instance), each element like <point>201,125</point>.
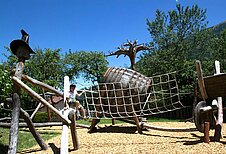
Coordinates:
<point>125,91</point>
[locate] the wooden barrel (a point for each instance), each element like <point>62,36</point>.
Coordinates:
<point>123,92</point>
<point>128,78</point>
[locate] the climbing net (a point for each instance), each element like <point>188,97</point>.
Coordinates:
<point>157,94</point>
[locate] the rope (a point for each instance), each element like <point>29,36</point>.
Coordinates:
<point>121,100</point>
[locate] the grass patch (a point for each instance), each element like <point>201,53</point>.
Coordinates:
<point>109,121</point>
<point>25,139</point>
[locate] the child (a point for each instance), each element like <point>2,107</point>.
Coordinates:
<point>72,102</point>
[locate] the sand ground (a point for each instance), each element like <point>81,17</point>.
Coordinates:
<point>124,139</point>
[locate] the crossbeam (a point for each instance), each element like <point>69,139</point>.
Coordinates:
<point>39,98</point>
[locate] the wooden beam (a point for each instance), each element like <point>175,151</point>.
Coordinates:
<point>201,80</point>
<point>41,84</point>
<point>32,129</point>
<point>23,124</point>
<point>136,120</point>
<point>74,135</point>
<point>148,126</point>
<point>36,110</point>
<point>13,137</point>
<point>127,121</point>
<point>5,118</point>
<point>39,98</point>
<point>45,124</point>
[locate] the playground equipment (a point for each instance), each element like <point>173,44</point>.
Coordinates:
<point>126,94</point>
<point>211,88</point>
<point>22,50</point>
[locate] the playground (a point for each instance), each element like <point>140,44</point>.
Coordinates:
<point>124,95</point>
<point>124,138</point>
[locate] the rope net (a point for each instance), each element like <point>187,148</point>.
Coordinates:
<point>143,96</point>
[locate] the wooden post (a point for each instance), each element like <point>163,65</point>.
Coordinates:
<point>93,124</point>
<point>139,129</point>
<point>206,132</point>
<point>64,137</point>
<point>113,121</point>
<point>13,136</point>
<point>74,135</point>
<point>32,129</point>
<point>217,133</point>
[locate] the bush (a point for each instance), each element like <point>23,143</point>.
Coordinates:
<point>41,117</point>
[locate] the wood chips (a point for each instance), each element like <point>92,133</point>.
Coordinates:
<point>124,139</point>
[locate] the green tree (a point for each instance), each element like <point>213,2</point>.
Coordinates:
<point>219,46</point>
<point>179,38</point>
<point>46,66</point>
<point>90,65</point>
<point>5,89</point>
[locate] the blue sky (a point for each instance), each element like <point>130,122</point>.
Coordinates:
<point>90,25</point>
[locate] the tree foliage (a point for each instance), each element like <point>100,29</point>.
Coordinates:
<point>5,89</point>
<point>219,46</point>
<point>179,38</point>
<point>90,65</point>
<point>46,66</point>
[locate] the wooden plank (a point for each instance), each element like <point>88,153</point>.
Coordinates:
<point>201,83</point>
<point>216,85</point>
<point>39,98</point>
